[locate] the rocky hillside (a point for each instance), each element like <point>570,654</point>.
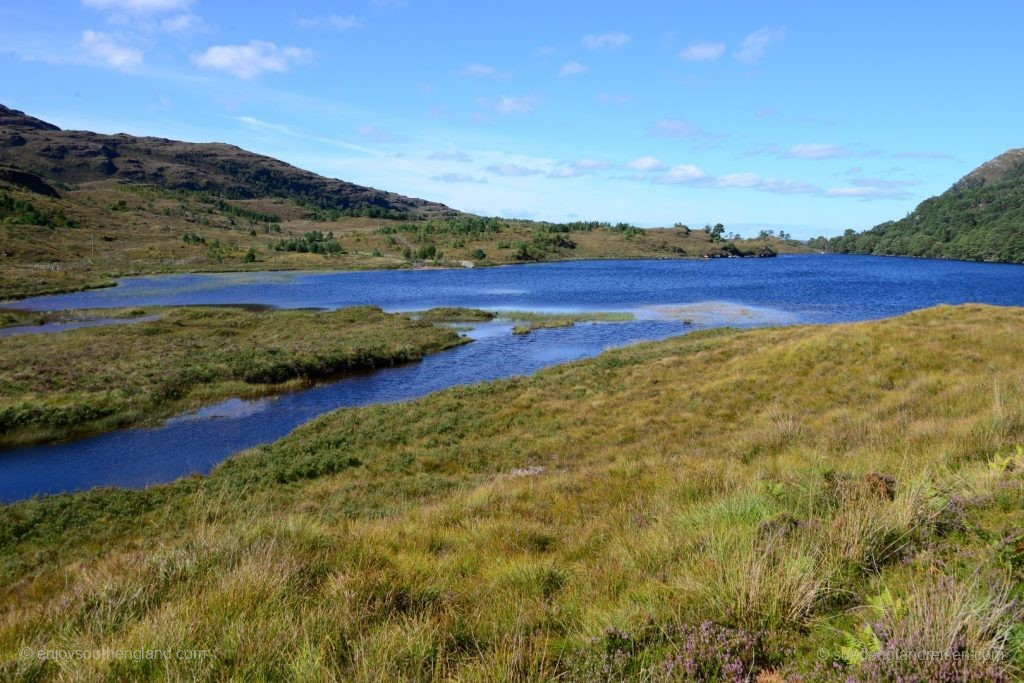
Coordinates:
<point>979,218</point>
<point>71,157</point>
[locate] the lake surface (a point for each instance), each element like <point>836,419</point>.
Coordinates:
<point>784,290</point>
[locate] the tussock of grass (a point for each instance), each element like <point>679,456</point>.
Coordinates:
<point>451,314</point>
<point>703,508</point>
<point>527,321</point>
<point>103,377</point>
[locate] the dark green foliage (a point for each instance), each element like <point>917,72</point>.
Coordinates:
<point>974,223</point>
<point>22,211</point>
<point>541,246</point>
<point>314,242</point>
<point>249,214</point>
<point>192,238</point>
<point>479,254</point>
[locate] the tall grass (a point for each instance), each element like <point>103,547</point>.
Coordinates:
<point>716,506</point>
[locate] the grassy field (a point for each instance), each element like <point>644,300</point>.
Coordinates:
<point>98,378</point>
<point>800,503</point>
<point>96,232</point>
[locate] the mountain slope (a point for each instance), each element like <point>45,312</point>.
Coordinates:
<point>76,157</point>
<point>979,218</point>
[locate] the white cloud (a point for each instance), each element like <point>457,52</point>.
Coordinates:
<point>677,128</point>
<point>611,39</point>
<point>458,178</point>
<point>250,60</point>
<point>335,21</point>
<point>512,170</point>
<point>573,69</point>
<point>107,49</point>
<point>817,151</point>
<point>478,70</point>
<point>138,6</point>
<point>461,157</point>
<point>683,173</point>
<point>753,46</point>
<point>702,52</point>
<point>646,164</point>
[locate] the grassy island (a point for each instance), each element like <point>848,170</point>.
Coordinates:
<point>98,378</point>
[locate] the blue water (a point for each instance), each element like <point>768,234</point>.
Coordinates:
<point>663,293</point>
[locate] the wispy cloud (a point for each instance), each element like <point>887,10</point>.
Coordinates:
<point>251,60</point>
<point>702,52</point>
<point>573,69</point>
<point>181,23</point>
<point>677,128</point>
<point>507,104</point>
<point>754,45</point>
<point>375,134</point>
<point>138,6</point>
<point>512,170</point>
<point>817,151</point>
<point>812,151</point>
<point>478,71</point>
<point>923,155</point>
<point>334,21</point>
<point>580,167</point>
<point>646,164</point>
<point>609,40</point>
<point>457,178</point>
<point>681,174</point>
<point>461,157</point>
<point>107,49</point>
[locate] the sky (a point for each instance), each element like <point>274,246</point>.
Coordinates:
<point>807,117</point>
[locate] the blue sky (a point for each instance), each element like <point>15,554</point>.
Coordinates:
<point>809,117</point>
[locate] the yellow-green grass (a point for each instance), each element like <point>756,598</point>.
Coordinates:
<point>96,378</point>
<point>19,318</point>
<point>704,497</point>
<point>124,230</point>
<point>527,321</point>
<point>455,314</point>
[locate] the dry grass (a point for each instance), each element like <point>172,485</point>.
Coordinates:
<point>699,499</point>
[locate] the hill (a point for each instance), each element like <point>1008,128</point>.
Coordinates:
<point>816,503</point>
<point>75,157</point>
<point>78,209</point>
<point>979,218</point>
